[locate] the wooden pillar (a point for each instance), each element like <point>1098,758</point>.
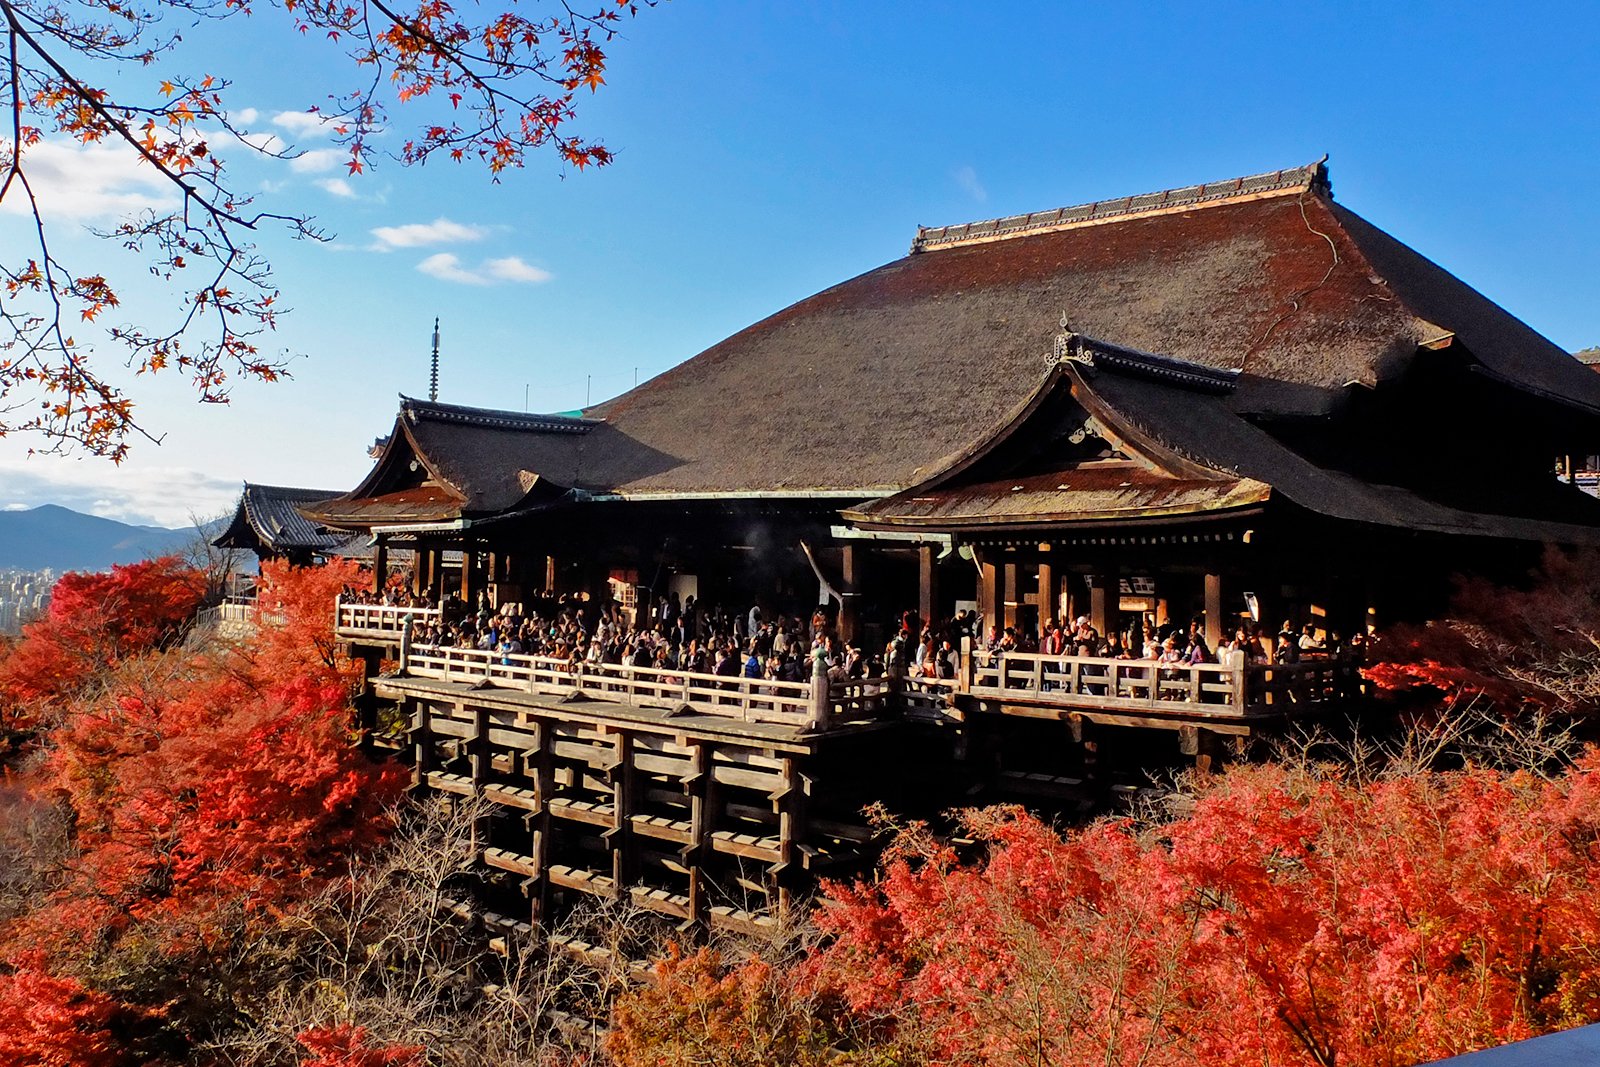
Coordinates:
<point>988,596</point>
<point>435,574</point>
<point>468,587</point>
<point>1100,586</point>
<point>419,568</point>
<point>537,764</point>
<point>1048,608</point>
<point>1215,623</point>
<point>701,785</point>
<point>854,566</point>
<point>380,566</point>
<point>478,757</point>
<point>1008,594</point>
<point>927,583</point>
<point>422,759</point>
<point>549,575</point>
<point>624,852</point>
<point>791,828</point>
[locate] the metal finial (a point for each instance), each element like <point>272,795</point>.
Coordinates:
<point>433,378</point>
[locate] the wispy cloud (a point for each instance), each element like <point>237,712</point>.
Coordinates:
<point>513,269</point>
<point>335,187</point>
<point>967,179</point>
<point>449,268</point>
<point>244,116</point>
<point>303,123</point>
<point>421,234</point>
<point>89,182</point>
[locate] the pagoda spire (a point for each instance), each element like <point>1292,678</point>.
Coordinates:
<point>433,377</point>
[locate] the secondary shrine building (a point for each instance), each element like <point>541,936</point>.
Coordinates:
<point>1236,403</point>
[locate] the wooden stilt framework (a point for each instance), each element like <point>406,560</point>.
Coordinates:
<point>705,826</point>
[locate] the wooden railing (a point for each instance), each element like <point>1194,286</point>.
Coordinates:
<point>751,700</point>
<point>362,620</point>
<point>239,609</point>
<point>1143,685</point>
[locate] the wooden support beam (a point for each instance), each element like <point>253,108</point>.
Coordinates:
<point>468,585</point>
<point>854,577</point>
<point>1046,596</point>
<point>478,759</point>
<point>927,584</point>
<point>624,854</point>
<point>1101,588</point>
<point>1009,595</point>
<point>988,594</point>
<point>1215,623</point>
<point>791,828</point>
<point>380,566</point>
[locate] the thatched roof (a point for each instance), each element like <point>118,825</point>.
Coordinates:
<point>878,383</point>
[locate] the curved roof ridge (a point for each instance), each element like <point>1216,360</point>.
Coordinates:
<point>1312,176</point>
<point>493,418</point>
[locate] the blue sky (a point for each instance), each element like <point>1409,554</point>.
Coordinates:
<point>769,150</point>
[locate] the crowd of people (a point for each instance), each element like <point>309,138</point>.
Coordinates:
<point>690,636</point>
<point>1172,644</point>
<point>675,635</point>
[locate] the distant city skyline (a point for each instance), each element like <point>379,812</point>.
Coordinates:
<point>766,152</point>
<point>23,596</point>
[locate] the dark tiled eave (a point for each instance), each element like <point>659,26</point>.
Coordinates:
<point>433,411</point>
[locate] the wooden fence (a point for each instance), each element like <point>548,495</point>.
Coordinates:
<point>368,620</point>
<point>1142,685</point>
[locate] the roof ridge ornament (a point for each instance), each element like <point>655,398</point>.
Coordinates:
<point>1293,180</point>
<point>1067,346</point>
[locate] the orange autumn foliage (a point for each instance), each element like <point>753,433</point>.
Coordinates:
<point>347,1046</point>
<point>1288,920</point>
<point>95,621</point>
<point>205,784</point>
<point>56,1022</point>
<point>1292,918</point>
<point>1531,648</point>
<point>697,1009</point>
<point>295,631</point>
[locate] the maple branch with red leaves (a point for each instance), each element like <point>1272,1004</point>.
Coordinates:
<point>518,76</point>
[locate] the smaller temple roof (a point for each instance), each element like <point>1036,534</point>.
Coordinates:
<point>268,521</point>
<point>1186,446</point>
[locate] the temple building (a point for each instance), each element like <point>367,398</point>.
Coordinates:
<point>1236,403</point>
<point>268,523</point>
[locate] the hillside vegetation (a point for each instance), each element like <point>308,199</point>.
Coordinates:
<point>197,866</point>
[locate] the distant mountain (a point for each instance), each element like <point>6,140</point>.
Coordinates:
<point>67,540</point>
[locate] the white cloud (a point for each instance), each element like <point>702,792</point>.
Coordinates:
<point>244,116</point>
<point>303,123</point>
<point>335,187</point>
<point>513,269</point>
<point>446,267</point>
<point>967,179</point>
<point>318,160</point>
<point>420,234</point>
<point>89,182</point>
<point>146,496</point>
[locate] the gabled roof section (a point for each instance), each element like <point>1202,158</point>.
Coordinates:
<point>1069,457</point>
<point>268,518</point>
<point>1294,181</point>
<point>1191,453</point>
